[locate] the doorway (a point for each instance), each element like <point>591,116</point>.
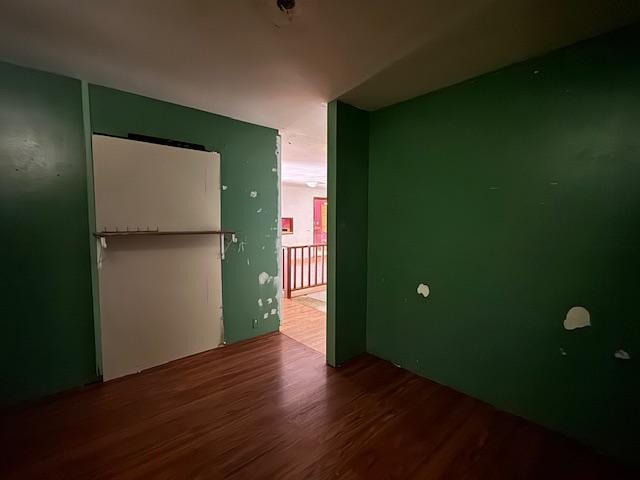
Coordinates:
<point>304,235</point>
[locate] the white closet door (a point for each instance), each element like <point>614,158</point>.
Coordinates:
<point>160,296</point>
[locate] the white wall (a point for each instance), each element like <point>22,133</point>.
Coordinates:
<point>297,202</point>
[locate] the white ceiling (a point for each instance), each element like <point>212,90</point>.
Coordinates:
<point>248,60</point>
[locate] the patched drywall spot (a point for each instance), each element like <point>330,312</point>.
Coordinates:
<point>622,355</point>
<point>577,317</point>
<point>265,278</point>
<point>423,290</point>
<point>253,194</point>
<point>259,302</point>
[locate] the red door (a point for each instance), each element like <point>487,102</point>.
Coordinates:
<point>319,221</point>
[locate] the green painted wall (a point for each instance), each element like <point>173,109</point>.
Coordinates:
<point>348,157</point>
<point>249,163</point>
<point>516,196</point>
<point>46,321</point>
<point>47,330</point>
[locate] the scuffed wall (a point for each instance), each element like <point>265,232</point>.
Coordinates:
<point>512,201</point>
<point>249,179</point>
<point>46,320</point>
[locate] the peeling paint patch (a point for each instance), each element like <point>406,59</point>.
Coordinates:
<point>265,316</point>
<point>259,302</point>
<point>273,311</point>
<point>622,355</point>
<point>274,170</point>
<point>259,210</point>
<point>224,187</point>
<point>253,194</point>
<point>265,278</point>
<point>423,290</point>
<point>269,301</point>
<point>577,317</point>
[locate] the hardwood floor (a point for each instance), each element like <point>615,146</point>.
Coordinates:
<point>304,324</point>
<point>270,408</point>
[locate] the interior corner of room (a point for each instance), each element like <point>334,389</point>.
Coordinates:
<point>403,248</point>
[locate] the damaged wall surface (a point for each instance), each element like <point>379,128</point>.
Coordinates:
<point>514,197</point>
<point>47,330</point>
<point>249,194</point>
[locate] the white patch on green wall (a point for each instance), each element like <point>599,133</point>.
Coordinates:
<point>423,290</point>
<point>259,302</point>
<point>224,187</point>
<point>264,278</point>
<point>577,317</point>
<point>253,194</point>
<point>622,355</point>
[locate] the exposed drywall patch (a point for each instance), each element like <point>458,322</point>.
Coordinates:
<point>253,194</point>
<point>423,290</point>
<point>577,317</point>
<point>265,278</point>
<point>622,355</point>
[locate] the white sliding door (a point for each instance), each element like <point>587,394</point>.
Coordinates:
<point>160,296</point>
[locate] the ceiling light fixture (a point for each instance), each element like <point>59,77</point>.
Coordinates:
<point>286,5</point>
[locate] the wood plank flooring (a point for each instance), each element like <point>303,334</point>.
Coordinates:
<point>271,409</point>
<point>304,324</point>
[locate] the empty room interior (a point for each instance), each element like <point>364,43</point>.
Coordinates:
<point>320,239</point>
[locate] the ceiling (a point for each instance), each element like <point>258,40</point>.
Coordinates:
<point>248,60</point>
